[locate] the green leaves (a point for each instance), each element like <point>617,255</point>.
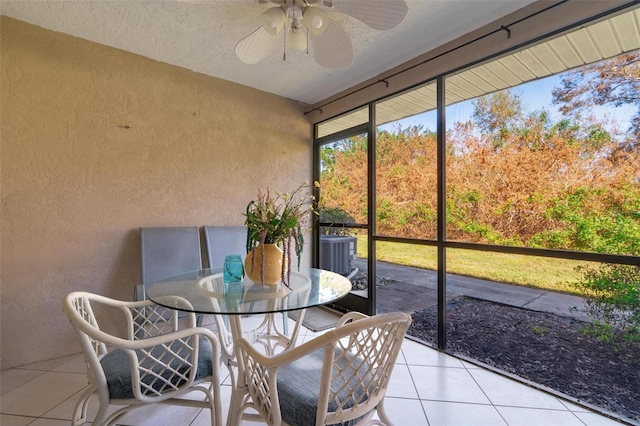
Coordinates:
<point>272,219</point>
<point>612,300</point>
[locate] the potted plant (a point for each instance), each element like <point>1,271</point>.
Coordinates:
<point>275,230</point>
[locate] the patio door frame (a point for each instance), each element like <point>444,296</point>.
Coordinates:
<point>353,302</point>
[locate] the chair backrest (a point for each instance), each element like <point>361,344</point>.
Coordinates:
<point>169,251</point>
<point>77,307</point>
<point>223,240</point>
<point>144,320</point>
<point>356,360</point>
<point>371,346</point>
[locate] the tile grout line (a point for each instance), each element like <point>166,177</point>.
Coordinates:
<point>485,394</point>
<point>413,382</point>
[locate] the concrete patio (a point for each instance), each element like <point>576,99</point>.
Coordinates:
<point>410,289</point>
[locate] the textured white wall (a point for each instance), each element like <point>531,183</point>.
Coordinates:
<point>97,142</point>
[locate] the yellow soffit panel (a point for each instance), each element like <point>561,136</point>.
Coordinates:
<point>606,39</point>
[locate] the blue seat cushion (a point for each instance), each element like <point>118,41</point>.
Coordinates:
<point>299,387</point>
<point>118,372</point>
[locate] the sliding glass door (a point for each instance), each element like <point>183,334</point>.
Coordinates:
<point>342,160</point>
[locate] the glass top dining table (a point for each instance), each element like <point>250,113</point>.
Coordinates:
<point>206,292</point>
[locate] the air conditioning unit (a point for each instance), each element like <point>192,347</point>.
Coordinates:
<point>336,253</point>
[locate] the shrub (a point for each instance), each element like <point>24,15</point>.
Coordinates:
<point>612,299</point>
<point>595,219</point>
<point>337,217</point>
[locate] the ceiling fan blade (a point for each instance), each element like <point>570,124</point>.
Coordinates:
<point>332,48</point>
<point>378,14</point>
<point>256,46</point>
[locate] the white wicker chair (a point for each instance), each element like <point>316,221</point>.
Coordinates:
<point>339,377</point>
<point>155,363</point>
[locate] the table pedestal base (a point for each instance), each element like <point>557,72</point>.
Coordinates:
<point>269,337</point>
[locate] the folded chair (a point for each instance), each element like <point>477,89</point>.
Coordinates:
<point>156,361</point>
<point>338,377</point>
<point>223,240</point>
<point>165,252</point>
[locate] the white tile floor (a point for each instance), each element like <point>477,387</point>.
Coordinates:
<point>427,388</point>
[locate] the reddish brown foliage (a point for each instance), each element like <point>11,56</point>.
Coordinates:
<point>500,189</point>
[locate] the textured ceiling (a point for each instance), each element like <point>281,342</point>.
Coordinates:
<point>202,37</point>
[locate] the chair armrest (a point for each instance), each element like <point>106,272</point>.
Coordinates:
<point>167,338</point>
<point>125,343</point>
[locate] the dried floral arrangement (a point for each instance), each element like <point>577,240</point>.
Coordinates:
<point>280,219</point>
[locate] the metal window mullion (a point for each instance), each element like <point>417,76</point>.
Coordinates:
<point>371,205</point>
<point>442,218</point>
<point>315,228</point>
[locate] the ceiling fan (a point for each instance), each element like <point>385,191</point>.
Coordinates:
<point>304,22</point>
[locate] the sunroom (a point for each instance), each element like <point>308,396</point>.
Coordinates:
<point>102,138</point>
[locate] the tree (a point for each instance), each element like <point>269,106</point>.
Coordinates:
<point>497,114</point>
<point>613,82</point>
<point>513,177</point>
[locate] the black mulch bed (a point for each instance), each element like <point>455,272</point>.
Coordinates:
<point>544,348</point>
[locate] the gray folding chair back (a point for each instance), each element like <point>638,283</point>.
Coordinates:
<point>167,252</point>
<point>223,240</point>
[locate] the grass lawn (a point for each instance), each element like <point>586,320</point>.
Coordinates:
<point>530,271</point>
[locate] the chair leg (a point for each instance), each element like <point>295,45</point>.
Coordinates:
<point>382,414</point>
<point>235,409</point>
<point>213,395</point>
<point>101,415</point>
<point>80,409</point>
